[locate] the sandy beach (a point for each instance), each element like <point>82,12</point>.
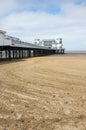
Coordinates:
<point>43,93</point>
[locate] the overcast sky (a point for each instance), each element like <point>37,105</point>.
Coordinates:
<point>45,19</point>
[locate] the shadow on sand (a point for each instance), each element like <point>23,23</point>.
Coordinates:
<point>7,61</point>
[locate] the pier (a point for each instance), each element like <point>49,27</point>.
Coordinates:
<point>14,52</point>
<point>14,48</point>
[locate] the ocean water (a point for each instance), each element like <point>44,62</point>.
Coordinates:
<point>76,52</point>
<point>72,53</point>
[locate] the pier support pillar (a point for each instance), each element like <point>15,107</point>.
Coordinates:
<point>29,53</point>
<point>9,54</point>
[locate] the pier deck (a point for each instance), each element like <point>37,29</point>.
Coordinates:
<point>12,52</point>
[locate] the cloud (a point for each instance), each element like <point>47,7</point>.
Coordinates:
<point>6,6</point>
<point>68,23</point>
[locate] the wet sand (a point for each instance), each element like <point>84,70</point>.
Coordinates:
<point>43,93</point>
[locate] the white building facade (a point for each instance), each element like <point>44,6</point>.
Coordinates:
<point>50,43</point>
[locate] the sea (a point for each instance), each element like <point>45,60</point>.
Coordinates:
<point>75,52</point>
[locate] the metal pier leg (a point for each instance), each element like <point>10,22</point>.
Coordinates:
<point>29,53</point>
<point>26,53</point>
<point>22,53</point>
<point>33,53</point>
<point>42,52</point>
<point>13,54</point>
<point>6,54</point>
<point>36,53</point>
<point>9,54</point>
<point>1,52</point>
<point>19,54</point>
<point>63,51</point>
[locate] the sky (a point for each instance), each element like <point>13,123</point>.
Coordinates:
<point>45,19</point>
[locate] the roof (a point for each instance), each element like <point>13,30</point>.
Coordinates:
<point>3,32</point>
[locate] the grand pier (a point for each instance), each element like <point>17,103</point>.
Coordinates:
<point>12,48</point>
